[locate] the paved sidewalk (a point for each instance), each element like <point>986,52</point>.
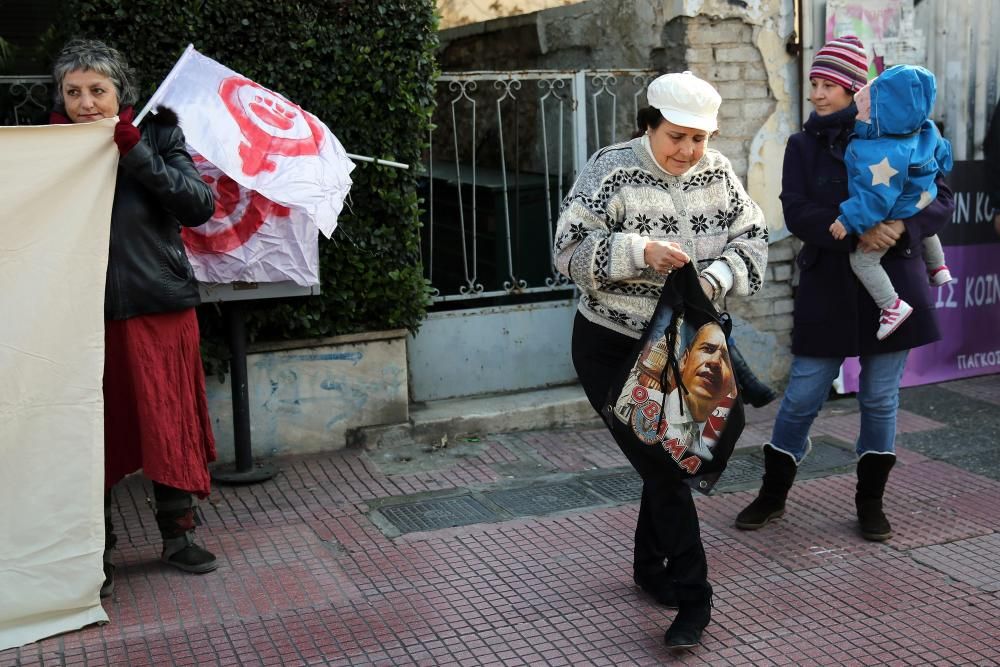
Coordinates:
<point>318,566</point>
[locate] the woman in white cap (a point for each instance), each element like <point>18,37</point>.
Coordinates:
<point>639,210</point>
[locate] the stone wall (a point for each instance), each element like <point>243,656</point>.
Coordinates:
<point>461,12</point>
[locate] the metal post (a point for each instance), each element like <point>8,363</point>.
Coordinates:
<point>580,154</point>
<point>244,472</point>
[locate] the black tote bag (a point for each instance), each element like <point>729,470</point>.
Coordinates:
<point>676,397</point>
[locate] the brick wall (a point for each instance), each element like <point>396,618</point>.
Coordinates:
<point>722,52</point>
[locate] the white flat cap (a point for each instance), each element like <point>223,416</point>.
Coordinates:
<point>685,100</point>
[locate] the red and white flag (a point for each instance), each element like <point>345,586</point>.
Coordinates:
<point>278,174</point>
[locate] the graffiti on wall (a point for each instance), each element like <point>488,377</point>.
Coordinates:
<point>885,27</point>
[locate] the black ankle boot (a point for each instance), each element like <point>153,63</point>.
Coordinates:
<point>873,472</point>
<point>779,473</point>
<point>175,519</point>
<point>110,539</point>
<point>754,392</point>
<point>108,587</point>
<point>689,624</point>
<point>182,553</point>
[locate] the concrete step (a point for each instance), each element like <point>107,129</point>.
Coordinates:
<point>431,422</point>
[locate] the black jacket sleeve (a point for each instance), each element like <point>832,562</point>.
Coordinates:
<point>161,163</point>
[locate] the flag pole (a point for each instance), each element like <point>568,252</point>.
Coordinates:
<point>156,95</point>
<point>388,163</point>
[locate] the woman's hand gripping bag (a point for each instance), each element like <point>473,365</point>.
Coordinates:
<point>676,399</point>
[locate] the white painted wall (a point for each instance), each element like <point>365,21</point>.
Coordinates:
<point>490,350</point>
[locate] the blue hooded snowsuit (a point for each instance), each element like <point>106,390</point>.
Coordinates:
<point>893,160</point>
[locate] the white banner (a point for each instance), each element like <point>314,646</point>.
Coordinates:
<point>56,189</point>
<point>272,148</point>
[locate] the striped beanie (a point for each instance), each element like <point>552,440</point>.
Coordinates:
<point>843,61</point>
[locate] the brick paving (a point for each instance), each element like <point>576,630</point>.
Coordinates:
<point>308,577</point>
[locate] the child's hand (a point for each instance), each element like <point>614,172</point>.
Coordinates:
<point>838,230</point>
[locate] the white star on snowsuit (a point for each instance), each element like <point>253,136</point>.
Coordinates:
<point>925,199</point>
<point>882,172</point>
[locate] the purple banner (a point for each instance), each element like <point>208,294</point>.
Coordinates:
<point>968,309</point>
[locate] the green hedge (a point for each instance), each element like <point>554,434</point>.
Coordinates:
<point>367,69</point>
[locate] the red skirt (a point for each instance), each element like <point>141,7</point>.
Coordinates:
<point>155,410</point>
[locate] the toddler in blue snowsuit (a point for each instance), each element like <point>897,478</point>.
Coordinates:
<point>892,162</point>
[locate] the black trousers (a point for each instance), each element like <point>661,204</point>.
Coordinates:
<point>668,549</point>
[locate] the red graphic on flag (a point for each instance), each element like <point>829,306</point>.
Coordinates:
<point>241,213</point>
<point>270,124</point>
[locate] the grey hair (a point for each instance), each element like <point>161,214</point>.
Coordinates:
<point>96,56</point>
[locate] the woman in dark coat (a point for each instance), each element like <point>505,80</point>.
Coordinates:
<point>155,409</point>
<point>834,316</point>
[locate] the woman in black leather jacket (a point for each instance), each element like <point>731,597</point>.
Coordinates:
<point>156,414</point>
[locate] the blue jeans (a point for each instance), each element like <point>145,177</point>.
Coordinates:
<point>809,385</point>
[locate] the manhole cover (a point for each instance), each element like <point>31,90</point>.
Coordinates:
<point>437,513</point>
<point>543,499</point>
<point>745,470</point>
<point>824,458</point>
<point>623,487</point>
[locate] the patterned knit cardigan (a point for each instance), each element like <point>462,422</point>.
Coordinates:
<point>621,196</point>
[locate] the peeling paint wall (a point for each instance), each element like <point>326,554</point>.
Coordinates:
<point>305,399</point>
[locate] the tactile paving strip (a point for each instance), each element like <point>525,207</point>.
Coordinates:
<point>623,487</point>
<point>437,513</point>
<point>543,498</point>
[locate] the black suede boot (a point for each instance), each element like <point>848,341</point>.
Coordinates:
<point>692,618</point>
<point>175,519</point>
<point>110,540</point>
<point>779,473</point>
<point>873,472</point>
<point>754,392</point>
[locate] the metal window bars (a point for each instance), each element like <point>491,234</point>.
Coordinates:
<point>512,143</point>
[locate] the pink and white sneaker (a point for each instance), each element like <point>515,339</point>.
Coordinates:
<point>892,317</point>
<point>940,276</point>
